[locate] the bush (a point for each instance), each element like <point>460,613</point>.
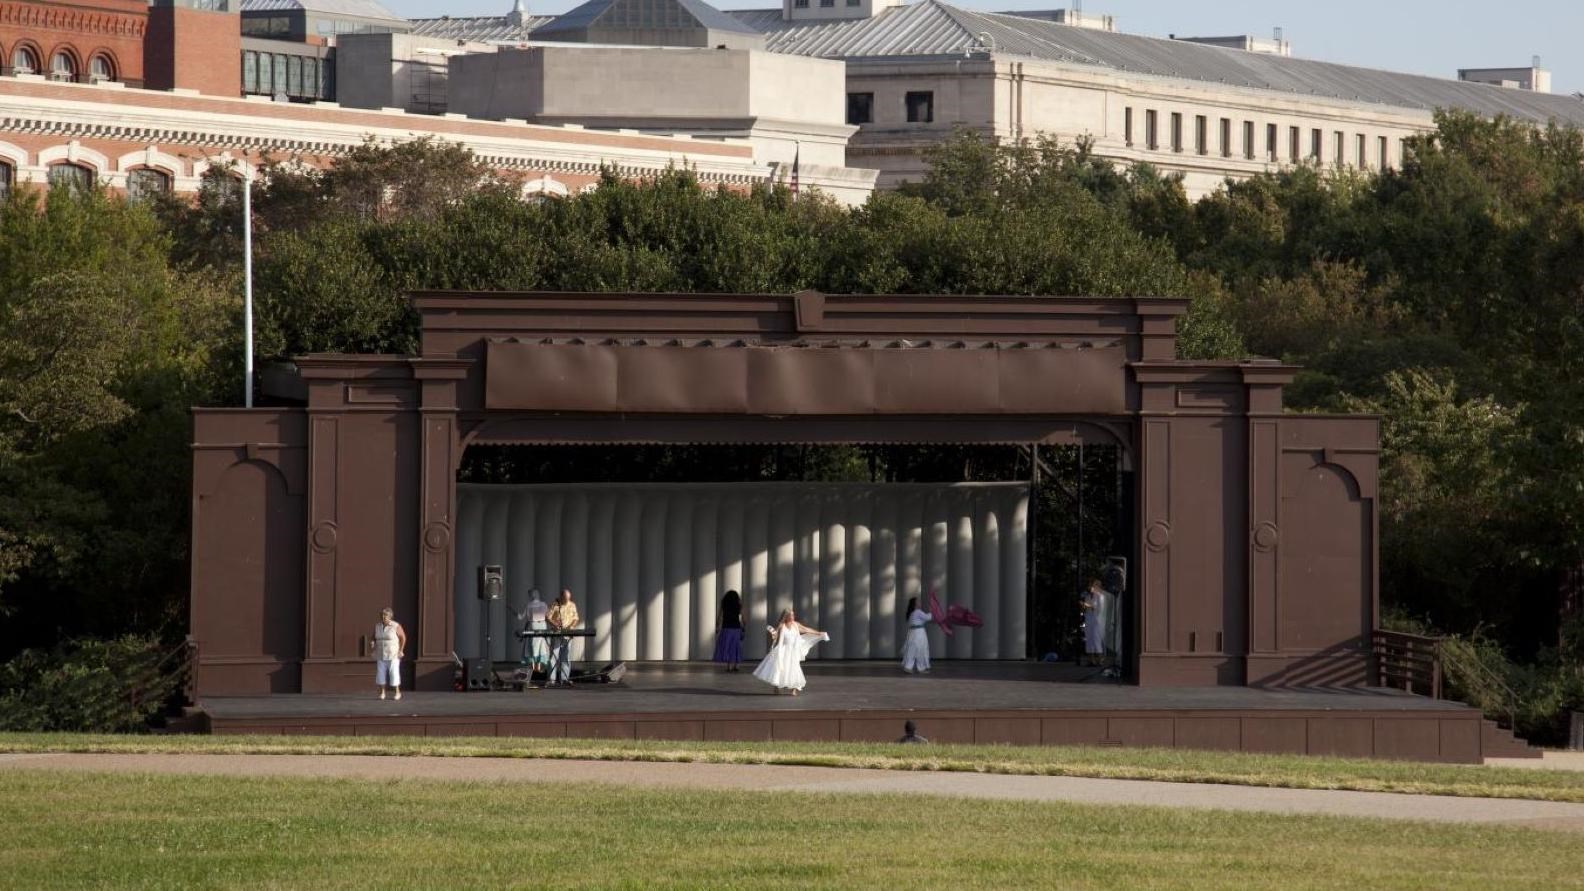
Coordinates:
<point>88,686</point>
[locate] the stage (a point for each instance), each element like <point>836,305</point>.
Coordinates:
<point>986,703</point>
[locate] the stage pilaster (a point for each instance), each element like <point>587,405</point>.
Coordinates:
<point>440,452</point>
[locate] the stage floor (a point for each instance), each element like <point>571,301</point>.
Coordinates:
<point>845,686</point>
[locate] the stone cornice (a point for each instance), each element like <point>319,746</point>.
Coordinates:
<point>211,133</point>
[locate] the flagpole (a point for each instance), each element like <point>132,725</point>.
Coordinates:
<point>247,284</point>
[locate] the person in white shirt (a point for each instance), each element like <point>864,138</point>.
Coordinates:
<point>390,647</point>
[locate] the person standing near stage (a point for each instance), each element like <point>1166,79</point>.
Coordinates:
<point>390,647</point>
<point>1095,603</point>
<point>535,617</point>
<point>729,631</point>
<point>791,640</point>
<point>915,648</point>
<point>563,617</point>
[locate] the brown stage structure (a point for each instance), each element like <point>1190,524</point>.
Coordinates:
<point>1255,539</point>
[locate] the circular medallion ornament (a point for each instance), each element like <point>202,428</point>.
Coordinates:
<point>323,537</point>
<point>1266,536</point>
<point>437,536</point>
<point>1157,536</point>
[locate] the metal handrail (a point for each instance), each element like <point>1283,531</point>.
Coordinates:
<point>1484,675</point>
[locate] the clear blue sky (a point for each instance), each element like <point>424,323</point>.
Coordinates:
<point>1435,37</point>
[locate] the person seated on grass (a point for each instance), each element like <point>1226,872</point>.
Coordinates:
<point>910,734</point>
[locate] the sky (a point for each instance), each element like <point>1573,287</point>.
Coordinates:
<point>1435,37</point>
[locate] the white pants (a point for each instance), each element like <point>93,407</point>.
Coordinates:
<point>387,673</point>
<point>915,651</point>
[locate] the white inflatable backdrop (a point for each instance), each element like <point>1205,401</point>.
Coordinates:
<point>648,564</point>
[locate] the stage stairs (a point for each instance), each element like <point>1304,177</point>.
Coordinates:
<point>1497,741</point>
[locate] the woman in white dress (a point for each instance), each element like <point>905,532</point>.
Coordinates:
<point>791,640</point>
<point>915,649</point>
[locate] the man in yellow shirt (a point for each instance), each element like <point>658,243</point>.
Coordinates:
<point>563,617</point>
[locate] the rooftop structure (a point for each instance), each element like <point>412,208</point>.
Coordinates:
<point>321,20</point>
<point>651,23</point>
<point>1533,78</point>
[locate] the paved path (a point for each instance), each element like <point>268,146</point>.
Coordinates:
<point>1550,759</point>
<point>1540,814</point>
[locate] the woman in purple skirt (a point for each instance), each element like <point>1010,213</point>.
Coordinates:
<point>729,631</point>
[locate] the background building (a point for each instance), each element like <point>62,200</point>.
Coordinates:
<point>90,40</point>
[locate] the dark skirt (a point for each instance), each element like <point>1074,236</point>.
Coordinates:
<point>728,646</point>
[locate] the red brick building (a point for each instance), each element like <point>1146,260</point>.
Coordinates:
<point>84,41</point>
<point>194,45</point>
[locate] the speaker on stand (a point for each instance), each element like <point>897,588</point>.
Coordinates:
<point>491,585</point>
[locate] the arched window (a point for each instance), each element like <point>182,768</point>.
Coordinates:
<point>24,61</point>
<point>74,177</point>
<point>7,177</point>
<point>63,66</point>
<point>101,69</point>
<point>146,183</point>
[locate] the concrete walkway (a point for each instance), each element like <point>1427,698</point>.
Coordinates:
<point>1538,814</point>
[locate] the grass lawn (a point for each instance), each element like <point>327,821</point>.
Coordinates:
<point>73,830</point>
<point>1175,765</point>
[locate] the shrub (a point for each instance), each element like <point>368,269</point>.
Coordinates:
<point>94,686</point>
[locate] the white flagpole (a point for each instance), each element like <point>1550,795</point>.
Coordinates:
<point>247,279</point>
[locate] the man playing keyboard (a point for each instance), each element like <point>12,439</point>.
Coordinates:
<point>563,617</point>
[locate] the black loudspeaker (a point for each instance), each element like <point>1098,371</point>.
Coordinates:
<point>476,674</point>
<point>1113,577</point>
<point>492,582</point>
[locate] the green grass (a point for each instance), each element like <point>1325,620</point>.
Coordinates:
<point>1173,765</point>
<point>73,830</point>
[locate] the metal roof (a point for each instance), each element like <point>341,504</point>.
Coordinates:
<point>366,9</point>
<point>481,28</point>
<point>933,28</point>
<point>645,15</point>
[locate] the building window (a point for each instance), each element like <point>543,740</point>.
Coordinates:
<point>1381,159</point>
<point>145,184</point>
<point>63,67</point>
<point>1248,140</point>
<point>1226,137</point>
<point>854,2</point>
<point>1271,152</point>
<point>1316,145</point>
<point>1201,135</point>
<point>73,177</point>
<point>860,108</point>
<point>100,69</point>
<point>7,177</point>
<point>1151,130</point>
<point>1127,126</point>
<point>1295,144</point>
<point>1176,133</point>
<point>800,4</point>
<point>920,107</point>
<point>24,61</point>
<point>826,4</point>
<point>1360,163</point>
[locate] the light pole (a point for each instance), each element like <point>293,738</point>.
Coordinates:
<point>247,283</point>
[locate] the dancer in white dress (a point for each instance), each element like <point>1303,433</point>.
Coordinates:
<point>782,668</point>
<point>915,649</point>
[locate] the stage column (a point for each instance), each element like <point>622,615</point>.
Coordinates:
<point>440,453</point>
<point>1264,486</point>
